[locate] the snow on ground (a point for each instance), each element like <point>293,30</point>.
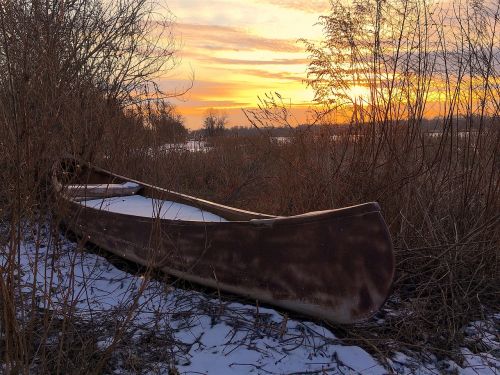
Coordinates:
<point>209,336</point>
<point>190,145</point>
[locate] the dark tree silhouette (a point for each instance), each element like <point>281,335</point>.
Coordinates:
<point>214,123</point>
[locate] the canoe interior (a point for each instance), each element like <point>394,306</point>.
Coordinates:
<point>71,172</point>
<point>140,206</point>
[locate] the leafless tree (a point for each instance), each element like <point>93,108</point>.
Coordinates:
<point>439,186</point>
<point>73,76</point>
<point>214,122</point>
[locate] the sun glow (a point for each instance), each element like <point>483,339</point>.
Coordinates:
<point>359,94</point>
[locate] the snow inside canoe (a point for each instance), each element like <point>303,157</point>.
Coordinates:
<point>138,205</point>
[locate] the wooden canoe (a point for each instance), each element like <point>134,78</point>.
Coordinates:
<point>335,265</point>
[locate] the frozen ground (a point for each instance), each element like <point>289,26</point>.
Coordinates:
<point>199,334</point>
<point>191,146</point>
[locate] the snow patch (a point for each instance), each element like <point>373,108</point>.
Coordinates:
<point>138,205</point>
<point>199,334</point>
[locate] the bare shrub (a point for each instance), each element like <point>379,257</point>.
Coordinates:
<point>168,124</point>
<point>436,179</point>
<point>438,186</point>
<point>71,74</point>
<point>214,122</point>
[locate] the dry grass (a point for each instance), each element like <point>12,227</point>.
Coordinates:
<point>440,195</point>
<point>66,79</point>
<point>442,214</point>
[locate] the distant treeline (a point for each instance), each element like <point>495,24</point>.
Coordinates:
<point>434,125</point>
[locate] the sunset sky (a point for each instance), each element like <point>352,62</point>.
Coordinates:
<point>238,50</point>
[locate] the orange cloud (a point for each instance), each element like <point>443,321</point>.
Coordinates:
<point>227,61</point>
<point>205,89</point>
<point>194,107</point>
<point>225,38</point>
<point>274,75</point>
<point>238,51</point>
<point>309,6</point>
<point>213,94</point>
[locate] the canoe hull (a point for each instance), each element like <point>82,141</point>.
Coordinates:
<point>331,265</point>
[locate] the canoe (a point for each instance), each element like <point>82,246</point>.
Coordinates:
<point>335,265</point>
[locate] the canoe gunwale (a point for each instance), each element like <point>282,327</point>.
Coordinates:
<point>257,219</point>
<point>287,220</point>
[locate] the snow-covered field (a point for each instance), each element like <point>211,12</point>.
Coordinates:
<point>191,146</point>
<point>197,333</point>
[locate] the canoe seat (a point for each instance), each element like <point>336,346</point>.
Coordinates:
<point>102,190</point>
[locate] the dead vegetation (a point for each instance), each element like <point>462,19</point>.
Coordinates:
<point>80,89</point>
<point>73,74</point>
<point>438,187</point>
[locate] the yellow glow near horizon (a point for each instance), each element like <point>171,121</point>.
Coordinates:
<point>238,51</point>
<point>359,94</point>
